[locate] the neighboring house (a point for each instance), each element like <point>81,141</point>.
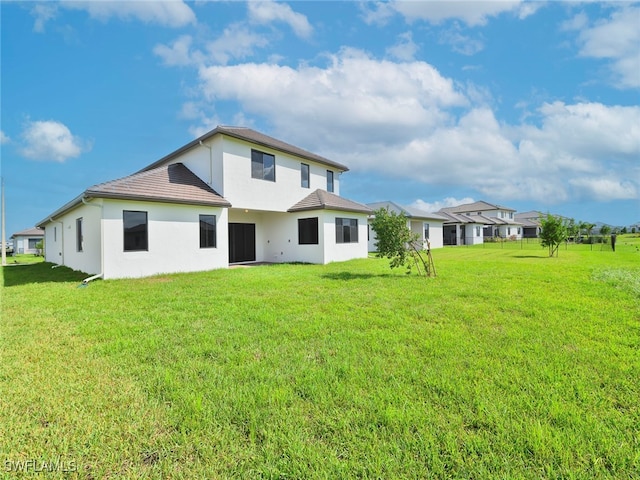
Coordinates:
<point>461,229</point>
<point>530,223</point>
<point>233,195</point>
<point>427,225</point>
<point>496,221</point>
<point>26,241</point>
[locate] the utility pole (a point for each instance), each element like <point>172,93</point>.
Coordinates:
<point>4,234</point>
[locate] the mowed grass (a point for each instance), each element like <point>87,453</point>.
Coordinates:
<point>509,364</point>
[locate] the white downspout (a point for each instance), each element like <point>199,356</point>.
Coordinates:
<point>99,275</point>
<point>210,162</point>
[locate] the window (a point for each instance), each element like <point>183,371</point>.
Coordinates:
<point>32,243</point>
<point>304,175</point>
<point>55,234</point>
<point>426,231</point>
<point>79,239</point>
<point>346,230</point>
<point>329,181</point>
<point>508,230</point>
<point>519,231</point>
<point>477,231</point>
<point>207,231</point>
<point>135,231</point>
<point>511,215</point>
<point>308,231</point>
<point>263,166</point>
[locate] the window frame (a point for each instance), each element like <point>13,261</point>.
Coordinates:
<point>79,235</point>
<point>305,175</point>
<point>330,183</point>
<point>204,239</point>
<point>341,230</point>
<point>258,170</point>
<point>311,236</point>
<point>126,234</point>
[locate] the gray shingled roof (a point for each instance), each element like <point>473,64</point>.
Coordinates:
<point>252,136</point>
<point>173,183</point>
<point>321,199</point>
<point>475,207</point>
<point>29,232</point>
<point>409,212</point>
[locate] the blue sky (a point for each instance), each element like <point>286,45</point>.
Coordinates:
<point>533,105</point>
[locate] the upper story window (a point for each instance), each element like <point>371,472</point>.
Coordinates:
<point>207,231</point>
<point>304,175</point>
<point>329,181</point>
<point>263,166</point>
<point>346,230</point>
<point>511,215</point>
<point>135,231</point>
<point>79,237</point>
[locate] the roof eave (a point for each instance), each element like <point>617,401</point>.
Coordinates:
<point>138,198</point>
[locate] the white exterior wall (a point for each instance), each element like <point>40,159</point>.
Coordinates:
<point>251,193</point>
<point>282,239</point>
<point>417,227</point>
<point>472,237</point>
<point>173,240</point>
<point>340,252</point>
<point>436,234</point>
<point>89,260</point>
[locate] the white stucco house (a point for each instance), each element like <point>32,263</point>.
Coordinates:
<point>471,223</point>
<point>233,195</point>
<point>26,241</point>
<point>428,226</point>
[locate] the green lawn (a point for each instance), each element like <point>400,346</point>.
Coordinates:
<point>509,364</point>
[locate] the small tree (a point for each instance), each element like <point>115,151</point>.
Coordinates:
<point>396,242</point>
<point>554,232</point>
<point>40,248</point>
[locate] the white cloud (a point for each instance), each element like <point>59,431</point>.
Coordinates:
<point>169,13</point>
<point>459,42</point>
<point>348,98</point>
<point>264,12</point>
<point>4,138</point>
<point>471,12</point>
<point>439,204</point>
<point>405,49</point>
<point>237,41</point>
<point>178,53</point>
<point>603,189</point>
<point>615,39</point>
<point>43,12</point>
<point>51,141</point>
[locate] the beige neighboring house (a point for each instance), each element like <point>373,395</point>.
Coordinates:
<point>471,223</point>
<point>26,241</point>
<point>233,195</point>
<point>428,226</point>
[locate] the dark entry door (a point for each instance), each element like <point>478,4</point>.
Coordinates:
<point>242,242</point>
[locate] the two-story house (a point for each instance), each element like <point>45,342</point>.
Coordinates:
<point>233,195</point>
<point>471,223</point>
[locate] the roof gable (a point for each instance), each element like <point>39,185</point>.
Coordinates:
<point>323,200</point>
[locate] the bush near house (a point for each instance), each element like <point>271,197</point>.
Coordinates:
<point>509,364</point>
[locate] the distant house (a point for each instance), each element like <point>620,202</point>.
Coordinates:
<point>530,223</point>
<point>233,195</point>
<point>471,223</point>
<point>428,226</point>
<point>27,240</point>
